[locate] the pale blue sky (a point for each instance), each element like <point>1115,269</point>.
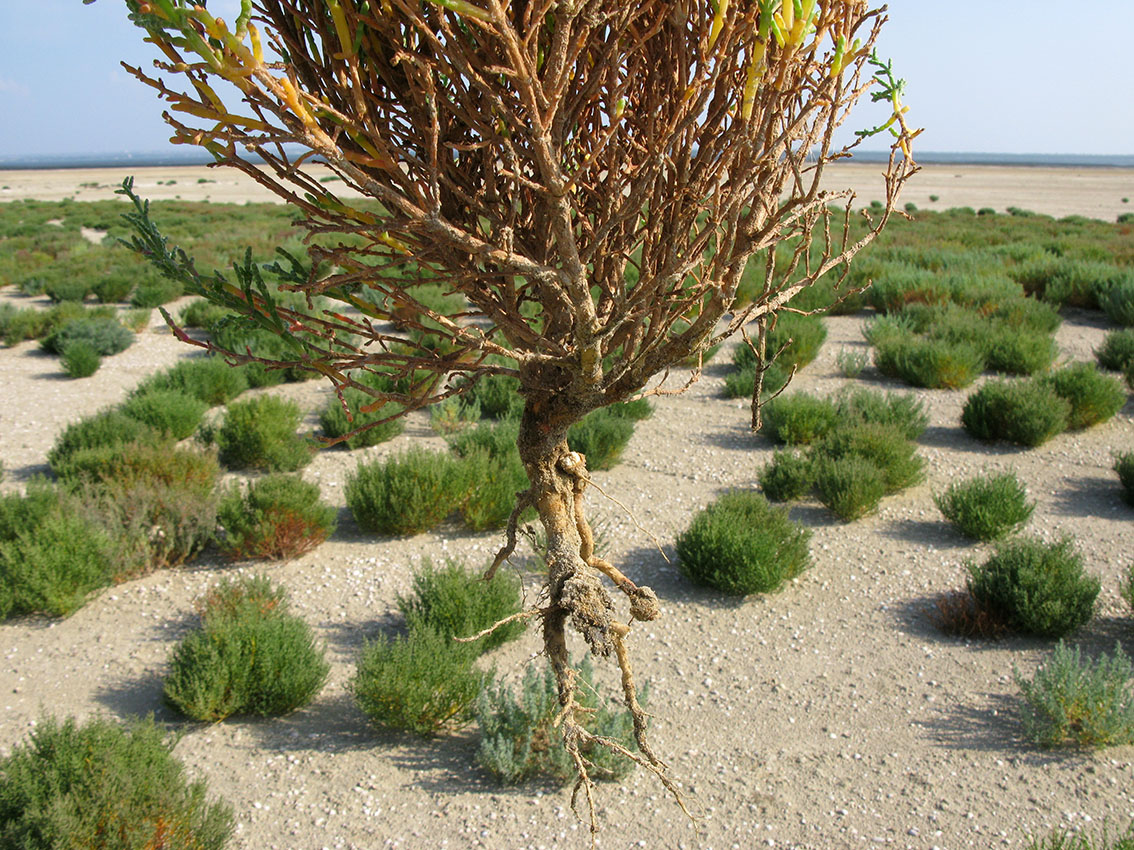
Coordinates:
<point>1000,76</point>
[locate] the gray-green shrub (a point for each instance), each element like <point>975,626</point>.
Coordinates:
<point>171,412</point>
<point>105,429</point>
<point>740,544</point>
<point>1118,302</point>
<point>1093,396</point>
<point>903,410</point>
<point>101,786</point>
<point>601,436</point>
<point>799,418</point>
<point>80,359</point>
<point>883,445</point>
<point>208,378</point>
<point>1026,412</point>
<point>250,656</point>
<point>519,737</point>
<point>986,507</point>
<point>334,423</point>
<point>1124,466</point>
<point>1038,588</point>
<point>458,604</point>
<point>260,433</point>
<point>1080,702</point>
<point>1117,350</point>
<point>788,477</point>
<point>105,336</point>
<point>932,363</point>
<point>850,486</point>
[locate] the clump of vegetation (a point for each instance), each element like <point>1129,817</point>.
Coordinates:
<point>1093,397</point>
<point>209,379</point>
<point>1118,302</point>
<point>260,433</point>
<point>790,476</point>
<point>106,336</point>
<point>1028,413</point>
<point>932,363</point>
<point>1079,702</point>
<point>1037,588</point>
<point>334,422</point>
<point>986,507</point>
<point>958,612</point>
<point>406,493</point>
<point>601,436</point>
<point>850,487</point>
<point>519,734</point>
<point>105,429</point>
<point>1060,840</point>
<point>740,544</point>
<point>250,656</point>
<point>173,413</point>
<point>1117,351</point>
<point>799,418</point>
<point>1124,466</point>
<point>884,446</point>
<point>102,786</point>
<point>458,604</point>
<point>904,411</point>
<point>424,682</point>
<point>80,359</point>
<point>851,363</point>
<point>276,517</point>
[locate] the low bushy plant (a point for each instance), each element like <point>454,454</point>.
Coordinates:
<point>154,293</point>
<point>851,363</point>
<point>209,379</point>
<point>1019,351</point>
<point>457,603</point>
<point>250,656</point>
<point>884,446</point>
<point>173,413</point>
<point>931,363</point>
<point>1118,302</point>
<point>959,613</point>
<point>424,682</point>
<point>105,336</point>
<point>1038,588</point>
<point>1080,702</point>
<point>1093,396</point>
<point>1126,589</point>
<point>100,786</point>
<point>202,314</point>
<point>849,486</point>
<point>519,735</point>
<point>406,493</point>
<point>789,477</point>
<point>453,415</point>
<point>333,420</point>
<point>260,433</point>
<point>601,436</point>
<point>113,287</point>
<point>105,429</point>
<point>80,359</point>
<point>740,544</point>
<point>276,517</point>
<point>53,566</point>
<point>802,335</point>
<point>1117,350</point>
<point>986,507</point>
<point>799,418</point>
<point>1124,466</point>
<point>493,484</point>
<point>497,396</point>
<point>904,411</point>
<point>1027,412</point>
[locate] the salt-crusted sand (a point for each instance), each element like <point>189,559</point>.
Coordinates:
<point>829,715</point>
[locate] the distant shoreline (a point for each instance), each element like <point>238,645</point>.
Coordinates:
<point>167,159</point>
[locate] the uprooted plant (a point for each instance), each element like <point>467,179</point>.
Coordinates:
<point>584,181</point>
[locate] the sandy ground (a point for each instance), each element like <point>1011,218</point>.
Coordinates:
<point>1092,192</point>
<point>829,715</point>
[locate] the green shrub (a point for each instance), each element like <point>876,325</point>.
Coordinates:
<point>68,289</point>
<point>457,604</point>
<point>986,507</point>
<point>932,363</point>
<point>19,513</point>
<point>494,484</point>
<point>799,418</point>
<point>601,436</point>
<point>1117,351</point>
<point>740,544</point>
<point>260,433</point>
<point>114,287</point>
<point>250,656</point>
<point>519,736</point>
<point>850,486</point>
<point>406,493</point>
<point>209,379</point>
<point>1027,413</point>
<point>789,477</point>
<point>1093,396</point>
<point>105,336</point>
<point>276,517</point>
<point>1018,351</point>
<point>1118,302</point>
<point>802,335</point>
<point>1084,703</point>
<point>636,410</point>
<point>740,383</point>
<point>104,787</point>
<point>1038,588</point>
<point>154,293</point>
<point>1060,840</point>
<point>904,411</point>
<point>884,446</point>
<point>424,682</point>
<point>498,396</point>
<point>105,429</point>
<point>851,363</point>
<point>1124,466</point>
<point>52,567</point>
<point>170,412</point>
<point>80,359</point>
<point>498,440</point>
<point>333,420</point>
<point>136,320</point>
<point>1126,590</point>
<point>453,415</point>
<point>203,314</point>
